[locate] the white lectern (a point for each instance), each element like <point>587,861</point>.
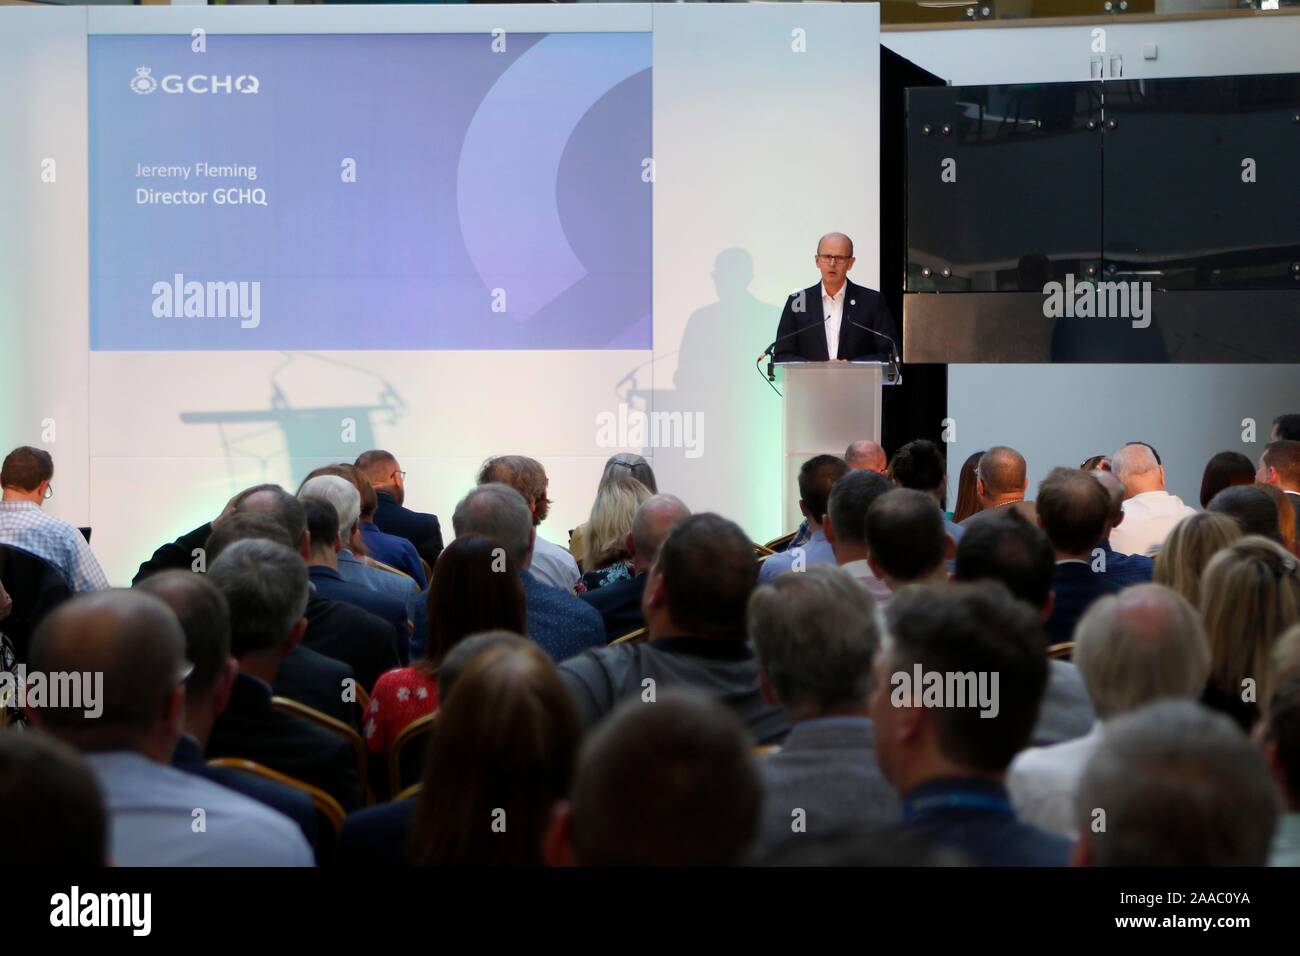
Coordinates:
<point>828,405</point>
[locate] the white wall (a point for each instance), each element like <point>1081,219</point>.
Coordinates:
<point>1061,414</point>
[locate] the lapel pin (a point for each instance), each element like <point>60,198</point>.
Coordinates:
<point>853,301</point>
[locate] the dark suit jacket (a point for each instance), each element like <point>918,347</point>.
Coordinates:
<point>378,836</point>
<point>177,556</point>
<point>294,804</point>
<point>330,584</point>
<point>313,679</point>
<point>619,605</point>
<point>355,637</point>
<point>802,335</point>
<point>420,529</point>
<point>1076,586</point>
<point>252,729</point>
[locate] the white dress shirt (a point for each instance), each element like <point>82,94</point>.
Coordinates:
<point>1148,519</point>
<point>554,565</point>
<point>153,820</point>
<point>1042,782</point>
<point>833,310</point>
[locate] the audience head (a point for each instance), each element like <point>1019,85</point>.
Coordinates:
<point>1137,466</point>
<point>987,652</point>
<point>242,527</point>
<point>267,589</point>
<point>1285,427</point>
<point>51,804</point>
<point>627,465</point>
<point>1008,549</point>
<point>866,455</point>
<point>815,634</point>
<point>26,473</point>
<point>340,493</point>
<point>499,763</point>
<point>611,521</point>
<point>1249,596</point>
<point>1280,465</point>
<point>816,478</point>
<point>906,537</point>
<point>134,641</point>
<point>277,504</point>
<point>498,512</point>
<point>654,519</point>
<point>1281,739</point>
<point>920,466</point>
<point>1095,463</point>
<point>701,583</point>
<point>846,511</point>
<point>968,500</point>
<point>1179,786</point>
<point>1188,549</point>
<point>458,658</point>
<point>383,472</point>
<point>1000,476</point>
<point>525,475</point>
<point>671,783</point>
<point>204,616</point>
<point>322,528</point>
<point>1139,646</point>
<point>1073,509</point>
<point>354,476</point>
<point>1115,491</point>
<point>475,587</point>
<point>1286,515</point>
<point>1253,509</point>
<point>1224,470</point>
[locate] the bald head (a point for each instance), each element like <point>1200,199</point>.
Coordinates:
<point>655,517</point>
<point>835,243</point>
<point>1001,472</point>
<point>866,455</point>
<point>278,505</point>
<point>134,647</point>
<point>1141,645</point>
<point>1135,464</point>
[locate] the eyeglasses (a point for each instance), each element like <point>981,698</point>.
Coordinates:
<point>400,474</point>
<point>832,260</point>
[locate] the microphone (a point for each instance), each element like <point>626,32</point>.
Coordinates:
<point>767,352</point>
<point>893,349</point>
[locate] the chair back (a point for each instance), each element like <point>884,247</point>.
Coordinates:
<point>325,805</point>
<point>335,726</point>
<point>1061,652</point>
<point>37,587</point>
<point>406,754</point>
<point>632,637</point>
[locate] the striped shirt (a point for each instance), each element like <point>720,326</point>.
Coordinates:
<point>26,526</point>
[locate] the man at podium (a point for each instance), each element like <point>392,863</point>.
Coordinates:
<point>835,318</point>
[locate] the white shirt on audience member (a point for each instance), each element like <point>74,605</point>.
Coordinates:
<point>151,819</point>
<point>554,565</point>
<point>862,572</point>
<point>1148,519</point>
<point>833,306</point>
<point>1042,782</point>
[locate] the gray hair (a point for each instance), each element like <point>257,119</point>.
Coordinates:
<point>339,492</point>
<point>815,634</point>
<point>1139,646</point>
<point>1133,460</point>
<point>498,512</point>
<point>266,586</point>
<point>627,465</point>
<point>1179,786</point>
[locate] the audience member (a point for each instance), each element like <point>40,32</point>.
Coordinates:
<point>475,588</point>
<point>622,465</point>
<point>968,502</point>
<point>1010,550</point>
<point>550,564</point>
<point>1095,463</point>
<point>906,539</point>
<point>1279,466</point>
<point>1123,569</point>
<point>861,455</point>
<point>25,479</point>
<point>1149,510</point>
<point>266,587</point>
<point>695,602</point>
<point>392,550</point>
<point>1224,470</point>
<point>815,634</point>
<point>920,466</point>
<point>1281,743</point>
<point>945,733</point>
<point>391,514</point>
<point>1174,785</point>
<point>500,762</point>
<point>53,811</point>
<point>619,603</point>
<point>134,641</point>
<point>846,526</point>
<point>1286,516</point>
<point>1285,428</point>
<point>1074,510</point>
<point>816,477</point>
<point>1001,480</point>
<point>608,557</point>
<point>1188,549</point>
<point>559,622</point>
<point>1141,645</point>
<point>670,783</point>
<point>1252,508</point>
<point>1249,597</point>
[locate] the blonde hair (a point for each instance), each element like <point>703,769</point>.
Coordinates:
<point>611,520</point>
<point>1189,548</point>
<point>1250,597</point>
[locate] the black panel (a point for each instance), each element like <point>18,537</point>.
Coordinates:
<point>1026,206</point>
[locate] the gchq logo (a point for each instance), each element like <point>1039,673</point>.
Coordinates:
<point>143,82</point>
